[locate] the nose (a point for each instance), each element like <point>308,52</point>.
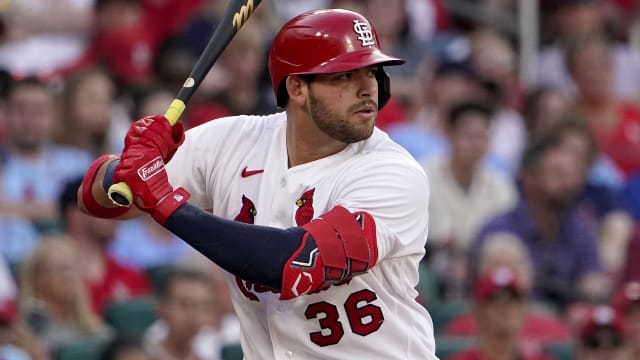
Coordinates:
<point>368,84</point>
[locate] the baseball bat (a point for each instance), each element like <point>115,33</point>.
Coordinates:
<point>236,14</point>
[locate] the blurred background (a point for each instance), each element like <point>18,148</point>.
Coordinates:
<point>524,113</point>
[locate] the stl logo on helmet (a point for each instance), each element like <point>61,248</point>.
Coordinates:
<point>364,33</point>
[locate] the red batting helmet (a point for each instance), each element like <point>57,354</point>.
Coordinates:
<point>327,41</point>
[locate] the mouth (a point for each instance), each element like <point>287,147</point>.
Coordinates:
<point>367,110</point>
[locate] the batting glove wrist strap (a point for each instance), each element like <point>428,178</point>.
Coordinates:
<point>169,204</point>
<point>89,202</point>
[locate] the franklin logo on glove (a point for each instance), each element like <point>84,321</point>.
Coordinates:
<point>151,168</point>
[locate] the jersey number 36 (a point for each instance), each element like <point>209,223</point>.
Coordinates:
<point>363,319</point>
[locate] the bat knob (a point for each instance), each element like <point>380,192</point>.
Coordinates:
<point>120,194</point>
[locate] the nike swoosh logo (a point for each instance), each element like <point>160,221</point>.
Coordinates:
<point>246,173</point>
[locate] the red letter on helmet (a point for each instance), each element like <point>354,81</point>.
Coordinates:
<point>337,246</point>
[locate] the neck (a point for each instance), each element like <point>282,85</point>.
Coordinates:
<point>595,102</point>
<point>177,348</point>
<point>462,172</point>
<point>307,143</point>
<point>499,347</point>
<point>91,258</point>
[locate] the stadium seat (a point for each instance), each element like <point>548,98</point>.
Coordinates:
<point>427,286</point>
<point>442,312</point>
<point>560,350</point>
<point>232,352</point>
<point>131,317</point>
<point>448,345</point>
<point>88,349</point>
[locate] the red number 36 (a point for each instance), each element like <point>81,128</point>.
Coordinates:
<point>363,319</point>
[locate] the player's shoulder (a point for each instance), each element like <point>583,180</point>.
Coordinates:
<point>239,125</point>
<point>382,152</point>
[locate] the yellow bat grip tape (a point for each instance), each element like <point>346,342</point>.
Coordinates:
<point>120,193</point>
<point>174,111</point>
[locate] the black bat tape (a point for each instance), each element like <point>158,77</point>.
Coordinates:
<point>236,15</point>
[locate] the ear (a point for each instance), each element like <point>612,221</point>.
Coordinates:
<point>297,89</point>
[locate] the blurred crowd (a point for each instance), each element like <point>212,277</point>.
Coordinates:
<point>535,182</point>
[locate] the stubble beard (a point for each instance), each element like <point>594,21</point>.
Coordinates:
<point>336,126</point>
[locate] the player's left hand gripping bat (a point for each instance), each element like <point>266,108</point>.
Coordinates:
<point>235,15</point>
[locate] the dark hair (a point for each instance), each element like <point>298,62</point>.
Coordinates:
<point>571,123</point>
<point>537,147</point>
<point>579,43</point>
<point>100,4</point>
<point>457,111</point>
<point>68,197</point>
<point>118,345</point>
<point>178,274</point>
<point>5,83</point>
<point>448,67</point>
<point>26,82</point>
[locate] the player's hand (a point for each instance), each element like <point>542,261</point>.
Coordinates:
<point>142,168</point>
<point>156,131</point>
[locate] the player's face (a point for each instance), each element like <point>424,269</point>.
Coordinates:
<point>345,105</point>
<point>187,309</point>
<point>503,315</point>
<point>30,117</point>
<point>470,139</point>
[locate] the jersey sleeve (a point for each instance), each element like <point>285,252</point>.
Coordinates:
<point>394,189</point>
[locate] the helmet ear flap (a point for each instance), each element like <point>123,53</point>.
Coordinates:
<point>384,87</point>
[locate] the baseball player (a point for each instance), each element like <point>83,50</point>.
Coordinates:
<point>330,215</point>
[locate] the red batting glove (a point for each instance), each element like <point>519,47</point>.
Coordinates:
<point>142,168</point>
<point>157,131</point>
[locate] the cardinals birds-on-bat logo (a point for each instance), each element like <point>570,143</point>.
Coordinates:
<point>248,212</point>
<point>304,213</point>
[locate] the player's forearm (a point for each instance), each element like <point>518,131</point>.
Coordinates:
<point>252,252</point>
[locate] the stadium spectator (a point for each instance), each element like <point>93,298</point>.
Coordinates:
<point>500,311</point>
<point>627,303</point>
<point>562,246</point>
<point>89,119</point>
<point>544,106</point>
<point>601,206</point>
<point>423,136</point>
<point>572,19</point>
<point>494,59</point>
<point>615,122</point>
<point>468,192</point>
<point>601,337</point>
<point>184,307</point>
<point>54,299</point>
<point>128,34</point>
<point>107,279</point>
<point>35,171</point>
<point>225,321</point>
<point>541,325</point>
<point>243,62</point>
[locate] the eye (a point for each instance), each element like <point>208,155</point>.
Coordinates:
<point>345,76</point>
<point>372,72</point>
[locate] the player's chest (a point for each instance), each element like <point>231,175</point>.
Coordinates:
<point>280,202</point>
<point>264,193</point>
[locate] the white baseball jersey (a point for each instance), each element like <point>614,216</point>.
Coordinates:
<point>238,167</point>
